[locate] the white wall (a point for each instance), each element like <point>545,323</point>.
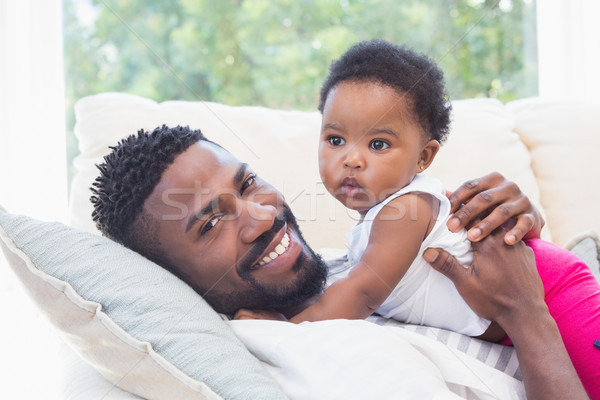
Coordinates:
<point>33,180</point>
<point>569,49</point>
<point>33,177</point>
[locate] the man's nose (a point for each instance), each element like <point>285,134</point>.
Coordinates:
<point>256,219</point>
<point>354,159</point>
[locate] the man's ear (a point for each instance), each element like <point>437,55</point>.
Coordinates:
<point>427,155</point>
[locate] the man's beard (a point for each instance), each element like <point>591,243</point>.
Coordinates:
<point>310,280</point>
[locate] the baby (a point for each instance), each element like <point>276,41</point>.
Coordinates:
<point>385,114</point>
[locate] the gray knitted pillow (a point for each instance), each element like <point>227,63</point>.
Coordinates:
<point>587,247</point>
<point>140,326</point>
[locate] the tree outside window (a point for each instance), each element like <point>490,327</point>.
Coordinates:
<point>276,53</point>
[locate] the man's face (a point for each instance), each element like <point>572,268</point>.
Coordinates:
<point>230,235</point>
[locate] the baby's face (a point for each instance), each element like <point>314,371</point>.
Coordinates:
<point>370,145</point>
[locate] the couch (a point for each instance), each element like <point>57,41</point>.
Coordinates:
<point>548,148</point>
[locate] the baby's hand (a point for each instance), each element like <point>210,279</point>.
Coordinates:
<point>243,313</point>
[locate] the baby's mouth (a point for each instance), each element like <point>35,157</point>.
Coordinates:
<point>350,187</point>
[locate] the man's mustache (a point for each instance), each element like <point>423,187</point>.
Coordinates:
<point>262,242</point>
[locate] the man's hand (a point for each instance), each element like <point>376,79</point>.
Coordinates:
<point>505,203</point>
<point>243,313</point>
<point>502,282</point>
<point>503,285</point>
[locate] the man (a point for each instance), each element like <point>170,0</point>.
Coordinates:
<point>190,206</point>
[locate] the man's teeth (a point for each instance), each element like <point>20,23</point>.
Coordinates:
<point>279,250</point>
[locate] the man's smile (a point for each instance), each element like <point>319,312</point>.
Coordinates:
<point>281,254</point>
<point>279,249</point>
<point>276,250</point>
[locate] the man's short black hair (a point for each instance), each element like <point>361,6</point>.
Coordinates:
<point>127,177</point>
<point>411,74</point>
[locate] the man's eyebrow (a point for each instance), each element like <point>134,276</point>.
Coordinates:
<point>200,214</point>
<point>237,178</point>
<point>239,175</point>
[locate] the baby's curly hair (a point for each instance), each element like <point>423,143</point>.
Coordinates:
<point>128,176</point>
<point>411,74</point>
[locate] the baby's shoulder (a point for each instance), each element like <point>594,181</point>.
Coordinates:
<point>410,207</point>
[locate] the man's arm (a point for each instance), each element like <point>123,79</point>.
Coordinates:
<point>503,285</point>
<point>505,203</point>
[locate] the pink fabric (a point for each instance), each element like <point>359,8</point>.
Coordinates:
<point>573,298</point>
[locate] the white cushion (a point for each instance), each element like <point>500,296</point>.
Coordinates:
<point>359,360</point>
<point>563,139</point>
<point>282,147</point>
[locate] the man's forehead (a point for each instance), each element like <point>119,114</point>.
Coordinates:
<point>204,164</point>
<point>211,150</point>
<point>227,166</point>
<point>203,160</point>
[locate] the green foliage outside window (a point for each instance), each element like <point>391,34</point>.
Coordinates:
<point>276,53</point>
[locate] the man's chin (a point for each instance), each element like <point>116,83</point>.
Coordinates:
<point>309,282</point>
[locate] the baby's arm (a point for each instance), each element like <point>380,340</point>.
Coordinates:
<point>396,236</point>
<point>244,313</point>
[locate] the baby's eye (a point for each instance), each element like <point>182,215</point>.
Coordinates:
<point>336,141</point>
<point>247,183</point>
<point>378,144</point>
<point>210,224</point>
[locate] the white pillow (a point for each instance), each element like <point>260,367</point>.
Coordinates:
<point>356,360</point>
<point>563,139</point>
<point>140,326</point>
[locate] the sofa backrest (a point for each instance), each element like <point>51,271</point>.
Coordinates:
<point>281,146</point>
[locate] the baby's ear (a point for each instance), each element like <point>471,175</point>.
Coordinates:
<point>428,154</point>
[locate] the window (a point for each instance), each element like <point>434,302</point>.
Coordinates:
<point>276,54</point>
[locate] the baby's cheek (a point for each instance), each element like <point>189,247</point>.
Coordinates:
<point>325,170</point>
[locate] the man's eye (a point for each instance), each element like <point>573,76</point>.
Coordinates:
<point>247,183</point>
<point>210,224</point>
<point>336,141</point>
<point>378,144</point>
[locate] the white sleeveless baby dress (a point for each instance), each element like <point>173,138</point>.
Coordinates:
<point>423,296</point>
